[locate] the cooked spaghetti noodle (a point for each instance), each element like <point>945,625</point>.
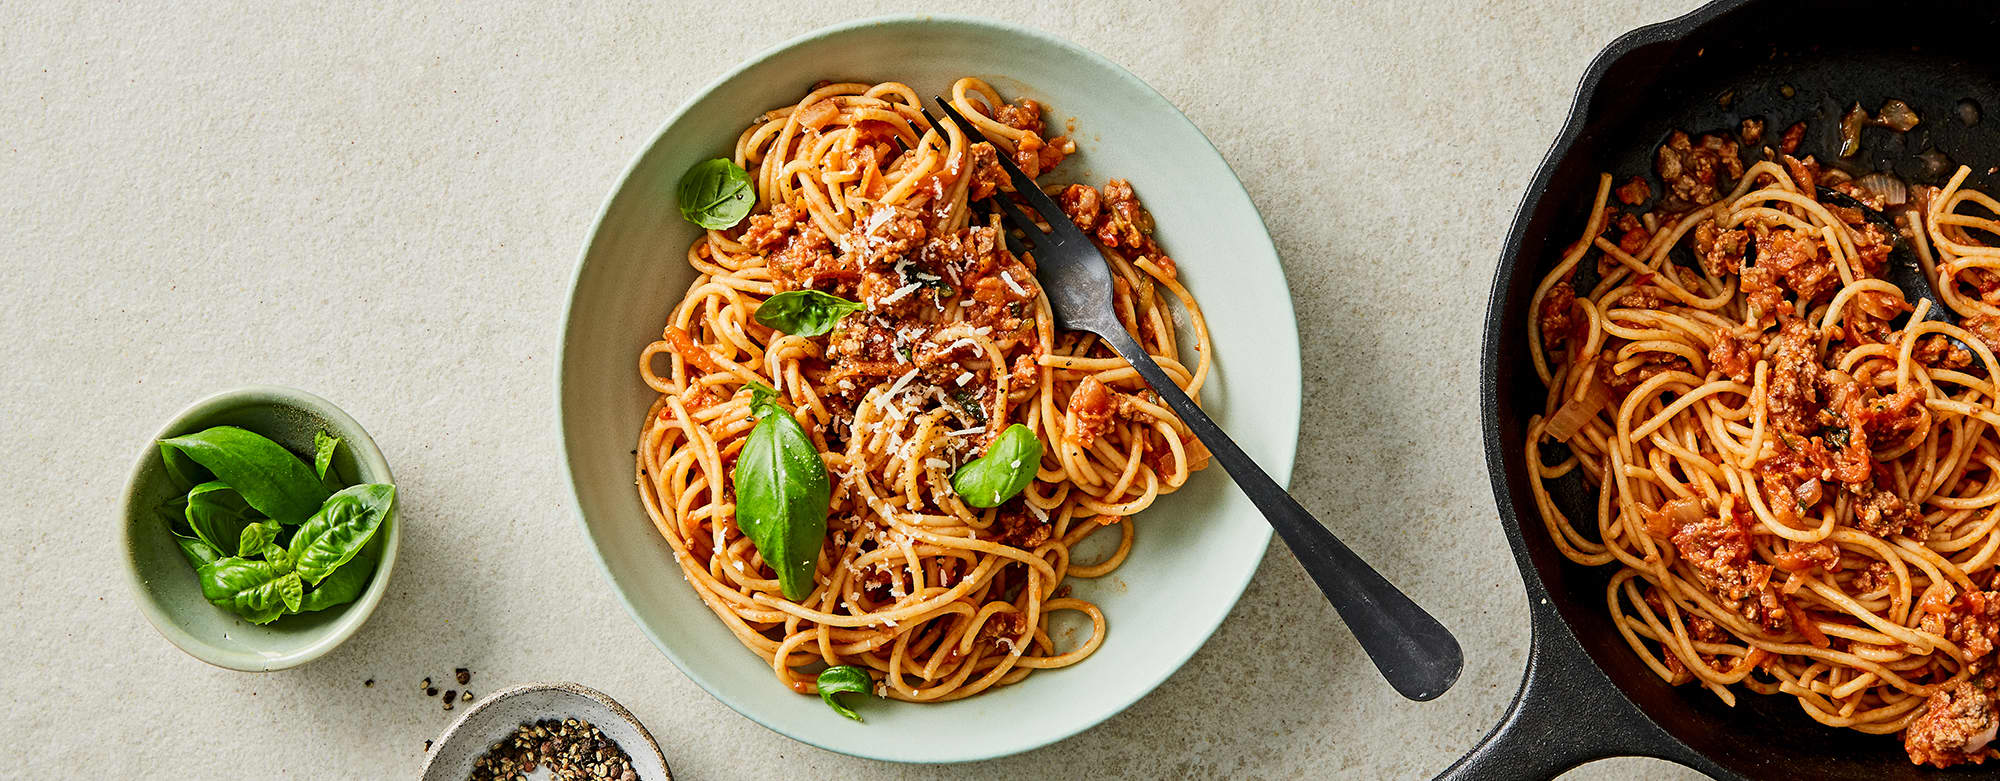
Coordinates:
<point>1800,496</point>
<point>858,196</point>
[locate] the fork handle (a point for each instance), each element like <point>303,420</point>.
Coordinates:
<point>1417,655</point>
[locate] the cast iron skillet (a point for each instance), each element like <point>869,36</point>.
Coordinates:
<point>1586,695</point>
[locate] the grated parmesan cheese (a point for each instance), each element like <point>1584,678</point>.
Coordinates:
<point>878,219</point>
<point>1012,285</point>
<point>900,294</point>
<point>937,463</point>
<point>963,378</point>
<point>901,383</point>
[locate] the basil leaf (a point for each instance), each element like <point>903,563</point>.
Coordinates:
<point>323,446</point>
<point>268,476</point>
<point>1008,467</point>
<point>197,553</point>
<point>255,536</point>
<point>805,312</point>
<point>969,403</point>
<point>259,591</point>
<point>292,590</point>
<point>175,512</point>
<point>276,555</point>
<point>334,534</point>
<point>344,585</point>
<point>716,194</point>
<point>183,470</point>
<point>782,494</point>
<point>760,396</point>
<point>844,679</point>
<point>218,514</point>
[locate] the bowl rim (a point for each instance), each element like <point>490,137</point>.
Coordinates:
<point>1279,468</point>
<point>373,467</point>
<point>652,744</point>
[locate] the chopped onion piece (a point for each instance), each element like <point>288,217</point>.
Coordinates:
<point>1683,511</point>
<point>1891,190</point>
<point>1897,115</point>
<point>1809,492</point>
<point>1576,412</point>
<point>1850,130</point>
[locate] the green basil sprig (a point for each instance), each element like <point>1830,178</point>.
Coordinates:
<point>716,194</point>
<point>344,585</point>
<point>1006,469</point>
<point>184,471</point>
<point>255,536</point>
<point>232,478</point>
<point>259,591</point>
<point>805,312</point>
<point>264,473</point>
<point>197,553</point>
<point>218,515</point>
<point>336,533</point>
<point>323,446</point>
<point>844,679</point>
<point>782,493</point>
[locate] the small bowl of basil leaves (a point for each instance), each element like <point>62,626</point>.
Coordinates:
<point>260,528</point>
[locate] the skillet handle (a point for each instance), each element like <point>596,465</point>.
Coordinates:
<point>1566,713</point>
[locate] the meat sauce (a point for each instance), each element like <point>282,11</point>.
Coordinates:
<point>1826,428</point>
<point>923,291</point>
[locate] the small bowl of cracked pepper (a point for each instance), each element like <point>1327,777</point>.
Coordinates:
<point>561,731</point>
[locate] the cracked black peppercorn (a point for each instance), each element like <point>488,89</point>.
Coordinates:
<point>570,749</point>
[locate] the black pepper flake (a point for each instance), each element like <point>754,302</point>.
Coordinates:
<point>465,696</point>
<point>425,685</point>
<point>464,676</point>
<point>570,749</point>
<point>450,696</point>
<point>370,682</point>
<point>431,691</point>
<point>427,746</point>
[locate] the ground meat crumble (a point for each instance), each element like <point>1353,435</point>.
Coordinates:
<point>1717,549</point>
<point>1957,726</point>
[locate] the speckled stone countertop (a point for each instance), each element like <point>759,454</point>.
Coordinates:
<point>385,206</point>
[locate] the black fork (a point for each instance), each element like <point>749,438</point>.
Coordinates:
<point>1417,655</point>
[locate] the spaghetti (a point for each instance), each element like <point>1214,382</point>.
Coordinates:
<point>858,196</point>
<point>1798,495</point>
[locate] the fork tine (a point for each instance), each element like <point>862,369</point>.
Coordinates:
<point>1009,212</point>
<point>1012,211</point>
<point>1028,240</point>
<point>1031,192</point>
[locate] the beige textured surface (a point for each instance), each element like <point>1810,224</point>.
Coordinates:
<point>384,206</point>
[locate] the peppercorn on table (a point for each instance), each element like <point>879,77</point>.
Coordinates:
<point>384,206</point>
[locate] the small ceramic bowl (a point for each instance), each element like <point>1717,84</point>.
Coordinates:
<point>166,587</point>
<point>496,717</point>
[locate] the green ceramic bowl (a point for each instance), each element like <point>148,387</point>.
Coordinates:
<point>164,584</point>
<point>1195,550</point>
